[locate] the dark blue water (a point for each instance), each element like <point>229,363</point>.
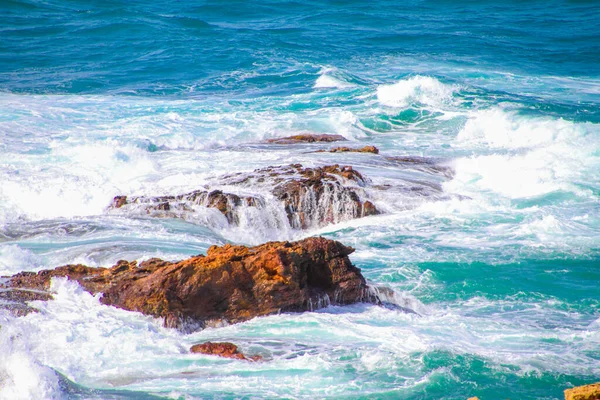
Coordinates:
<point>242,48</point>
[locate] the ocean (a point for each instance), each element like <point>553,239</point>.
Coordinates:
<point>492,236</point>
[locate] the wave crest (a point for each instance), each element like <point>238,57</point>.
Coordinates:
<point>417,89</point>
<point>506,129</point>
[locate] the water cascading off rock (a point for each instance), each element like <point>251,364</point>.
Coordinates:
<point>307,197</point>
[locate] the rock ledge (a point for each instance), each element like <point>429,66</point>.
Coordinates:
<point>230,284</point>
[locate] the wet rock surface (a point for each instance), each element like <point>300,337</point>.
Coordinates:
<point>319,197</point>
<point>222,349</point>
<point>427,165</point>
<point>344,149</point>
<point>307,138</point>
<point>176,206</point>
<point>15,300</point>
<point>310,197</point>
<point>230,284</point>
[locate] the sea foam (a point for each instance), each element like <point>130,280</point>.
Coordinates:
<point>533,156</point>
<point>499,128</point>
<point>21,376</point>
<point>424,90</point>
<point>328,81</point>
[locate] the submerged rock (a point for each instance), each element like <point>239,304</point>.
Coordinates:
<point>587,392</point>
<point>424,164</point>
<point>175,206</point>
<point>344,149</point>
<point>230,284</point>
<point>307,138</point>
<point>15,300</point>
<point>308,197</point>
<point>222,349</point>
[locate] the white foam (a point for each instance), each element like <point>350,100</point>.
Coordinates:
<point>99,346</point>
<point>88,342</point>
<point>157,123</point>
<point>80,180</point>
<point>14,259</point>
<point>541,155</point>
<point>420,89</point>
<point>499,128</point>
<point>545,228</point>
<point>21,376</point>
<point>532,174</point>
<point>328,81</point>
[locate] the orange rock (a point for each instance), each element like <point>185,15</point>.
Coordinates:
<point>587,392</point>
<point>230,284</point>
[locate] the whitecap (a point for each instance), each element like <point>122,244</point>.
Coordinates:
<point>417,89</point>
<point>531,156</point>
<point>328,81</point>
<point>499,128</point>
<point>21,377</point>
<point>14,259</point>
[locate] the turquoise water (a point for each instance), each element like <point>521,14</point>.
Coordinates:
<point>497,251</point>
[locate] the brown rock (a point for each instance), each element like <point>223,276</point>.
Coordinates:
<point>369,209</point>
<point>311,197</point>
<point>319,197</point>
<point>587,392</point>
<point>23,295</point>
<point>222,349</point>
<point>307,138</point>
<point>366,149</point>
<point>119,201</point>
<point>230,284</point>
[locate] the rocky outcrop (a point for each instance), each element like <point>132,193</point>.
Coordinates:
<point>344,149</point>
<point>230,284</point>
<point>222,349</point>
<point>310,197</point>
<point>307,138</point>
<point>587,392</point>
